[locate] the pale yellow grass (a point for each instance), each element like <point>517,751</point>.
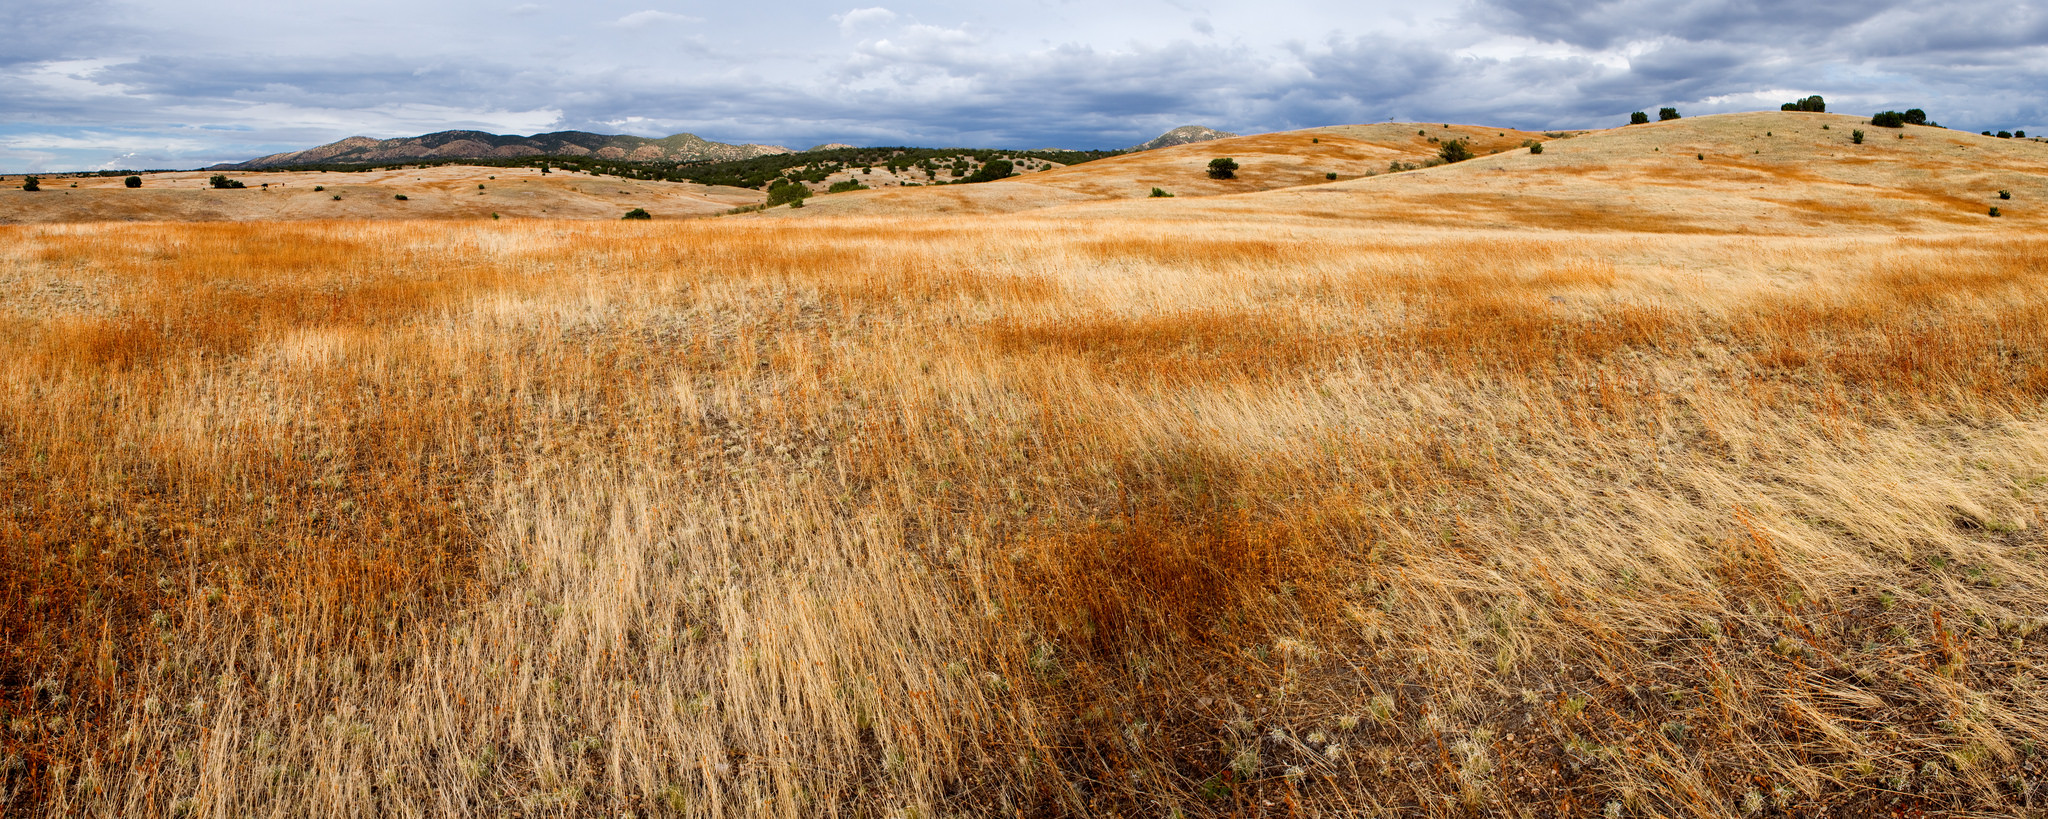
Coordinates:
<point>950,517</point>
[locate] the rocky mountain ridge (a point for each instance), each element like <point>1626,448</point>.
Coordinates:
<point>1182,136</point>
<point>481,145</point>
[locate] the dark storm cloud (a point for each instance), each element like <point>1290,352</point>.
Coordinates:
<point>1601,25</point>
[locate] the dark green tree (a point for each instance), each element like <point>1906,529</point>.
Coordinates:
<point>637,213</point>
<point>1638,118</point>
<point>1814,104</point>
<point>31,184</point>
<point>1888,119</point>
<point>994,170</point>
<point>221,181</point>
<point>1856,136</point>
<point>1454,151</point>
<point>1223,168</point>
<point>785,192</point>
<point>1914,116</point>
<point>1666,114</point>
<point>133,181</point>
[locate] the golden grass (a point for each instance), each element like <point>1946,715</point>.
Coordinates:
<point>940,517</point>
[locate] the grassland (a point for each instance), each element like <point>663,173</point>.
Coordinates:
<point>440,192</point>
<point>1243,515</point>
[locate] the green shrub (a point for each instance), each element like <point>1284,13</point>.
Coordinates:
<point>337,197</point>
<point>1638,118</point>
<point>1914,116</point>
<point>1814,104</point>
<point>2005,135</point>
<point>1994,210</point>
<point>994,170</point>
<point>1454,151</point>
<point>1160,193</point>
<point>846,185</point>
<point>133,182</point>
<point>637,213</point>
<point>1856,137</point>
<point>1535,147</point>
<point>221,181</point>
<point>1700,157</point>
<point>1888,119</point>
<point>319,188</point>
<point>784,192</point>
<point>402,198</point>
<point>2005,194</point>
<point>1223,168</point>
<point>1667,114</point>
<point>31,184</point>
<point>1332,176</point>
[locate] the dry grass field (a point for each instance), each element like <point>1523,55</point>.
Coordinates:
<point>443,192</point>
<point>1208,511</point>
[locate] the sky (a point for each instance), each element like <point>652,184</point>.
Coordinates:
<point>113,84</point>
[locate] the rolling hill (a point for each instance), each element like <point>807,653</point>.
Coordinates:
<point>1781,172</point>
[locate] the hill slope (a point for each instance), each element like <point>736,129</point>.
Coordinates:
<point>480,145</point>
<point>1266,162</point>
<point>1763,172</point>
<point>1777,172</point>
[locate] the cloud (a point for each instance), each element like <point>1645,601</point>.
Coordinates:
<point>213,81</point>
<point>856,19</point>
<point>650,17</point>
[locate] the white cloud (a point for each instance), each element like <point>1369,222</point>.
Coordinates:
<point>857,18</point>
<point>650,17</point>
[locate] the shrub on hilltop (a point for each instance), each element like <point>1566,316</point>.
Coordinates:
<point>1888,119</point>
<point>1638,118</point>
<point>1667,114</point>
<point>1814,104</point>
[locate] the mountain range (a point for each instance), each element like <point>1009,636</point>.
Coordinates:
<point>480,145</point>
<point>1184,135</point>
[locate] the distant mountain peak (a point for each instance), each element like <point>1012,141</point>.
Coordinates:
<point>481,145</point>
<point>1182,136</point>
